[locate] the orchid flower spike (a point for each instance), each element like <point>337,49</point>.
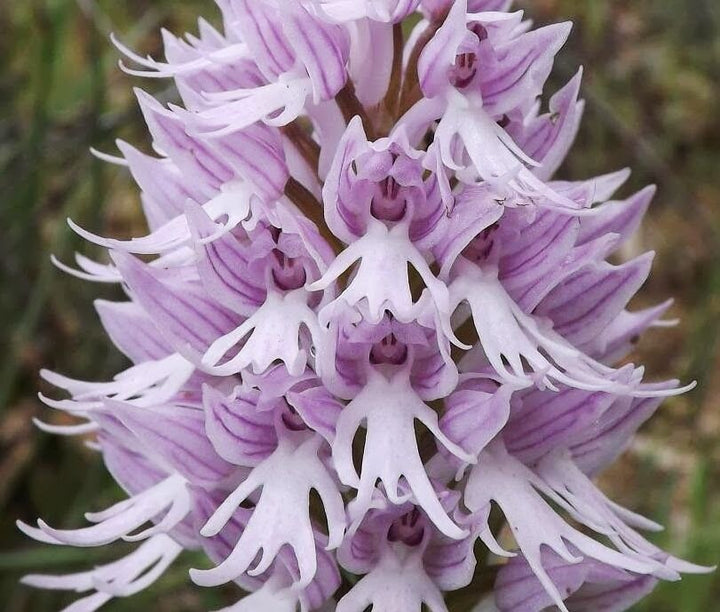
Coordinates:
<point>365,314</point>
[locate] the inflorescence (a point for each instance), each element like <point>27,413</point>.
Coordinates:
<point>373,341</point>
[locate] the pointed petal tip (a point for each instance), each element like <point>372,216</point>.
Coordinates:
<point>651,188</point>
<point>565,27</point>
<point>107,157</point>
<point>37,533</point>
<point>204,578</point>
<point>48,376</point>
<point>33,580</point>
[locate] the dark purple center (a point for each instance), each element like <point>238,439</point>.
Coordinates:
<point>388,202</point>
<point>389,350</point>
<point>292,420</point>
<point>408,529</point>
<point>465,67</point>
<point>288,273</point>
<point>479,247</point>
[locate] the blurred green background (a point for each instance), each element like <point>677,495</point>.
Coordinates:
<point>652,86</point>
